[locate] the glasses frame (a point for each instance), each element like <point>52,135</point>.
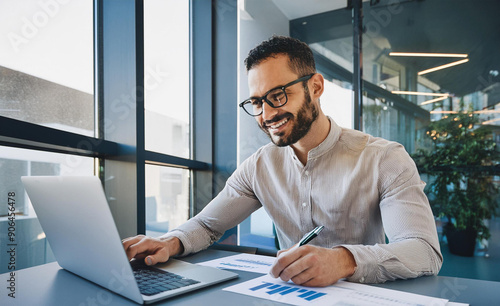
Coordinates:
<point>264,97</point>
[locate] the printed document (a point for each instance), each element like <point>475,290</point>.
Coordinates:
<point>245,262</point>
<point>341,293</point>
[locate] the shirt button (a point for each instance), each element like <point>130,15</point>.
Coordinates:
<point>304,204</point>
<point>306,173</point>
<point>362,280</point>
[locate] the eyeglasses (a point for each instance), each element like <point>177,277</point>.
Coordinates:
<point>275,97</point>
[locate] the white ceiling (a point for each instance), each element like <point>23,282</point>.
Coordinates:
<point>300,8</point>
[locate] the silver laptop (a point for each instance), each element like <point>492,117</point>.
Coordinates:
<point>78,224</point>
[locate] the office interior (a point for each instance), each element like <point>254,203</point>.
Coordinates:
<point>144,94</point>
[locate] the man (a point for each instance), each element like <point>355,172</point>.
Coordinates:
<point>314,173</point>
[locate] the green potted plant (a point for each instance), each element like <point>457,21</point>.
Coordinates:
<point>460,166</point>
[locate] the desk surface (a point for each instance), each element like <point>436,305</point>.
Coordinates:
<point>49,284</point>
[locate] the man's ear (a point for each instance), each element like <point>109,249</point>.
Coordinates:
<point>318,85</point>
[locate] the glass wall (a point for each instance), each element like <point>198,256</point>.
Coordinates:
<point>167,111</point>
<point>442,57</point>
<point>32,246</point>
<point>53,124</point>
<point>46,78</point>
<point>432,60</point>
<point>167,198</point>
<point>46,67</point>
<point>166,79</point>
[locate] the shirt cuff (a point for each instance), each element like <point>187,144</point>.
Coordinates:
<point>365,264</point>
<point>188,249</point>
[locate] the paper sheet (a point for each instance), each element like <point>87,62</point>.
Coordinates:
<point>245,262</point>
<point>342,293</point>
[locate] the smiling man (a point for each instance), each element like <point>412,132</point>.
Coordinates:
<point>360,188</point>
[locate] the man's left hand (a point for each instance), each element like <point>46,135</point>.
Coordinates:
<point>313,266</point>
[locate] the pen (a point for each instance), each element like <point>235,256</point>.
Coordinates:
<point>306,239</point>
<point>310,236</point>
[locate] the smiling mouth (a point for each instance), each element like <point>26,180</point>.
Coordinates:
<point>279,124</point>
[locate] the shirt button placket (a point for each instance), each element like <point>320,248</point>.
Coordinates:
<point>306,199</point>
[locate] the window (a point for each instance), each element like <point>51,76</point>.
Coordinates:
<point>166,79</point>
<point>388,65</point>
<point>46,67</point>
<point>167,198</point>
<point>46,73</point>
<point>134,131</point>
<point>167,111</point>
<point>32,245</point>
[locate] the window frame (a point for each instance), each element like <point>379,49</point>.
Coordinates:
<point>122,154</point>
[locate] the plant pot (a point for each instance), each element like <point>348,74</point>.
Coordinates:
<point>461,242</point>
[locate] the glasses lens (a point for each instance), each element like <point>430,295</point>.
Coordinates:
<point>277,97</point>
<point>253,107</point>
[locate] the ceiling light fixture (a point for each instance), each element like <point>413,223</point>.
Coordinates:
<point>441,96</point>
<point>444,112</point>
<point>419,93</point>
<point>434,100</point>
<point>487,111</point>
<point>491,121</point>
<point>495,111</point>
<point>443,66</point>
<point>428,54</point>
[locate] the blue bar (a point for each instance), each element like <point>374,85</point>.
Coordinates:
<point>289,291</point>
<point>274,286</point>
<point>304,295</point>
<point>255,262</point>
<point>261,286</point>
<point>302,290</point>
<point>278,290</point>
<point>315,296</point>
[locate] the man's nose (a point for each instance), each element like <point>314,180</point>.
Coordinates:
<point>268,112</point>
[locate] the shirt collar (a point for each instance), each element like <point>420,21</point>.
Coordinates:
<point>327,144</point>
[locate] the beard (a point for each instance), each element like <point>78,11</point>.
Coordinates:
<point>302,122</point>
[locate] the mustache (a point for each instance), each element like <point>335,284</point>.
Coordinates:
<point>275,119</point>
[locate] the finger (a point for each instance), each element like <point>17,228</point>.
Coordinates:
<point>161,255</point>
<point>305,279</point>
<point>128,242</point>
<point>294,270</point>
<point>131,240</point>
<point>144,246</point>
<point>281,252</point>
<point>286,250</point>
<point>283,261</point>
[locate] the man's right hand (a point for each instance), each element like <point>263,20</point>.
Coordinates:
<point>152,250</point>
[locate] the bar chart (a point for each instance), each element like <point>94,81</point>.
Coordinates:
<point>341,293</point>
<point>270,288</point>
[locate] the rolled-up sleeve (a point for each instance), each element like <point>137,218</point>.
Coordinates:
<point>229,208</point>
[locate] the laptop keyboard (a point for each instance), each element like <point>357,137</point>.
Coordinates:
<point>152,281</point>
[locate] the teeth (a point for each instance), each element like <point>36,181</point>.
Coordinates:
<point>279,124</point>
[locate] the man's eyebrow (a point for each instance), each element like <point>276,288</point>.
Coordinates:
<point>275,87</point>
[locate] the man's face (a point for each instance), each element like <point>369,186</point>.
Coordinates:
<point>290,123</point>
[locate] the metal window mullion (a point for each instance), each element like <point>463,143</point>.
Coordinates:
<point>357,79</point>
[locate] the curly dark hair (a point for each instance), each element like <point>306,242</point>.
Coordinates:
<point>301,59</point>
